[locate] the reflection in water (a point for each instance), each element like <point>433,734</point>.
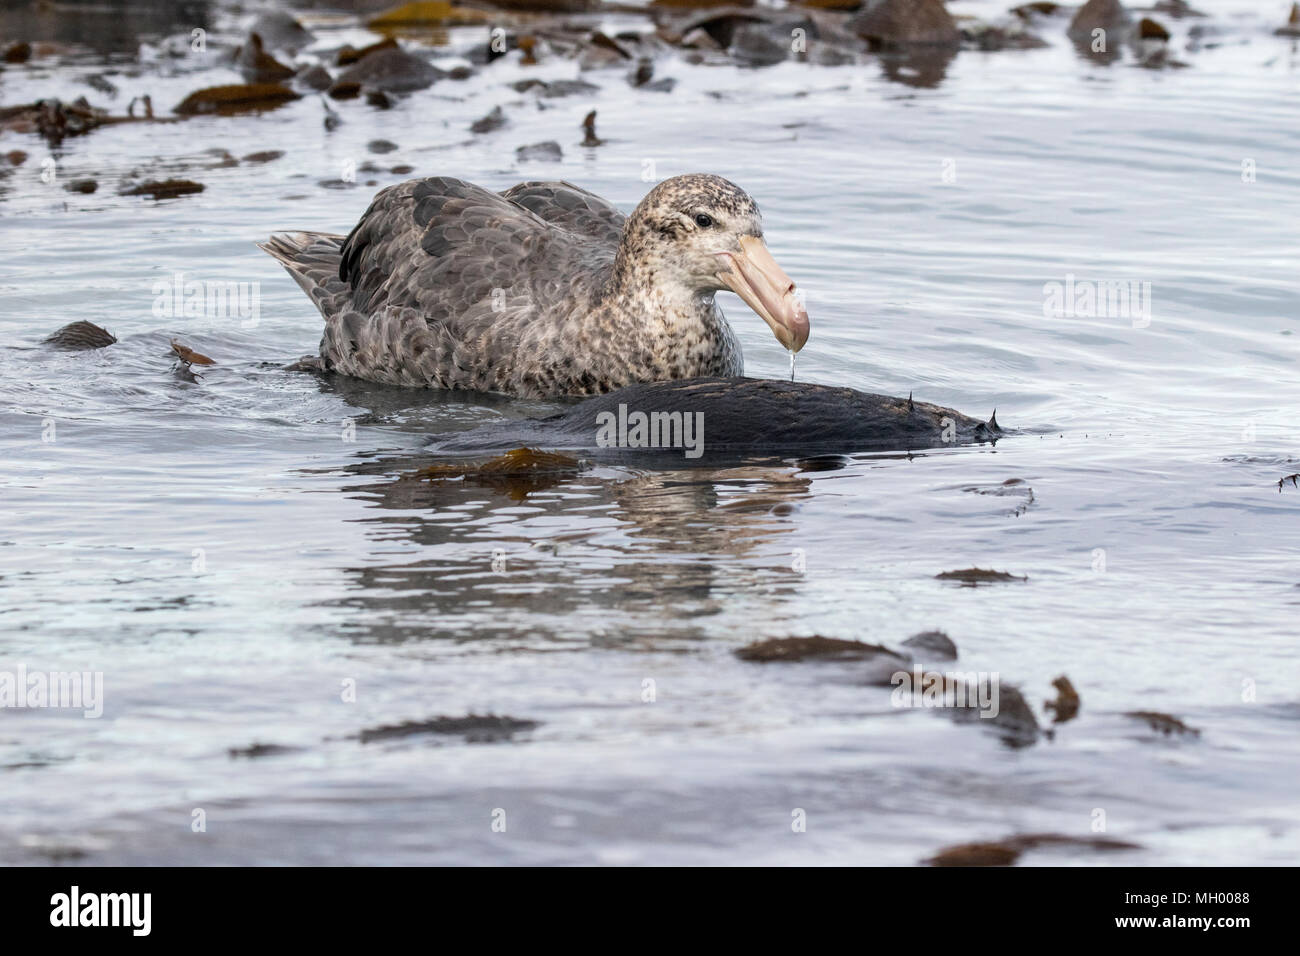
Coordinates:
<point>583,555</point>
<point>921,67</point>
<point>1084,46</point>
<point>105,26</point>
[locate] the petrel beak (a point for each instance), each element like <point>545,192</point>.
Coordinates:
<point>754,276</point>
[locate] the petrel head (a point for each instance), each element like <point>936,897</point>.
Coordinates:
<point>707,233</point>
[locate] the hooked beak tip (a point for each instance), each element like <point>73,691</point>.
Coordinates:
<point>763,285</point>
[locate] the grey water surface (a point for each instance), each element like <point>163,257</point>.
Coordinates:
<point>246,554</point>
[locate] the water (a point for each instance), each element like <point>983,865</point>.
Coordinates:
<point>236,547</point>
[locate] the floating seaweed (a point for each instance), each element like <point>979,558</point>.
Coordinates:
<point>1166,724</point>
<point>236,98</point>
<point>189,356</point>
<point>974,577</point>
<point>518,472</point>
<point>1066,705</point>
<point>1005,852</point>
<point>165,188</point>
<point>475,728</point>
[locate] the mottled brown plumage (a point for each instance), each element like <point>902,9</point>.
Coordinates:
<point>543,290</point>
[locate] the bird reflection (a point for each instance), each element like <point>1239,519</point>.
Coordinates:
<point>569,551</point>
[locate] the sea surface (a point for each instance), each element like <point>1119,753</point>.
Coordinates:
<point>243,553</point>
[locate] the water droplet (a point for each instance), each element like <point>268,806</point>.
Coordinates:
<point>792,353</point>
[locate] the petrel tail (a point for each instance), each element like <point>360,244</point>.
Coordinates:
<point>312,258</point>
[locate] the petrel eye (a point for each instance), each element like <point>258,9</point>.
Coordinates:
<point>703,220</point>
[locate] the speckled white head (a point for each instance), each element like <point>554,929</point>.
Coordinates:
<point>704,233</point>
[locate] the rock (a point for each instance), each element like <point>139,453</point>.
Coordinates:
<point>381,146</point>
<point>760,44</point>
<point>393,71</point>
<point>1107,15</point>
<point>935,645</point>
<point>19,52</point>
<point>1014,721</point>
<point>236,98</point>
<point>349,54</point>
<point>556,88</point>
<point>699,39</point>
<point>548,152</point>
<point>721,25</point>
<point>344,91</point>
<point>402,169</point>
<point>165,189</point>
<point>17,157</point>
<point>1148,29</point>
<point>600,49</point>
<point>282,32</point>
<point>265,156</point>
<point>896,24</point>
<point>1027,11</point>
<point>258,66</point>
<point>493,121</point>
<point>825,54</point>
<point>314,77</point>
<point>1176,9</point>
<point>81,335</point>
<point>81,186</point>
